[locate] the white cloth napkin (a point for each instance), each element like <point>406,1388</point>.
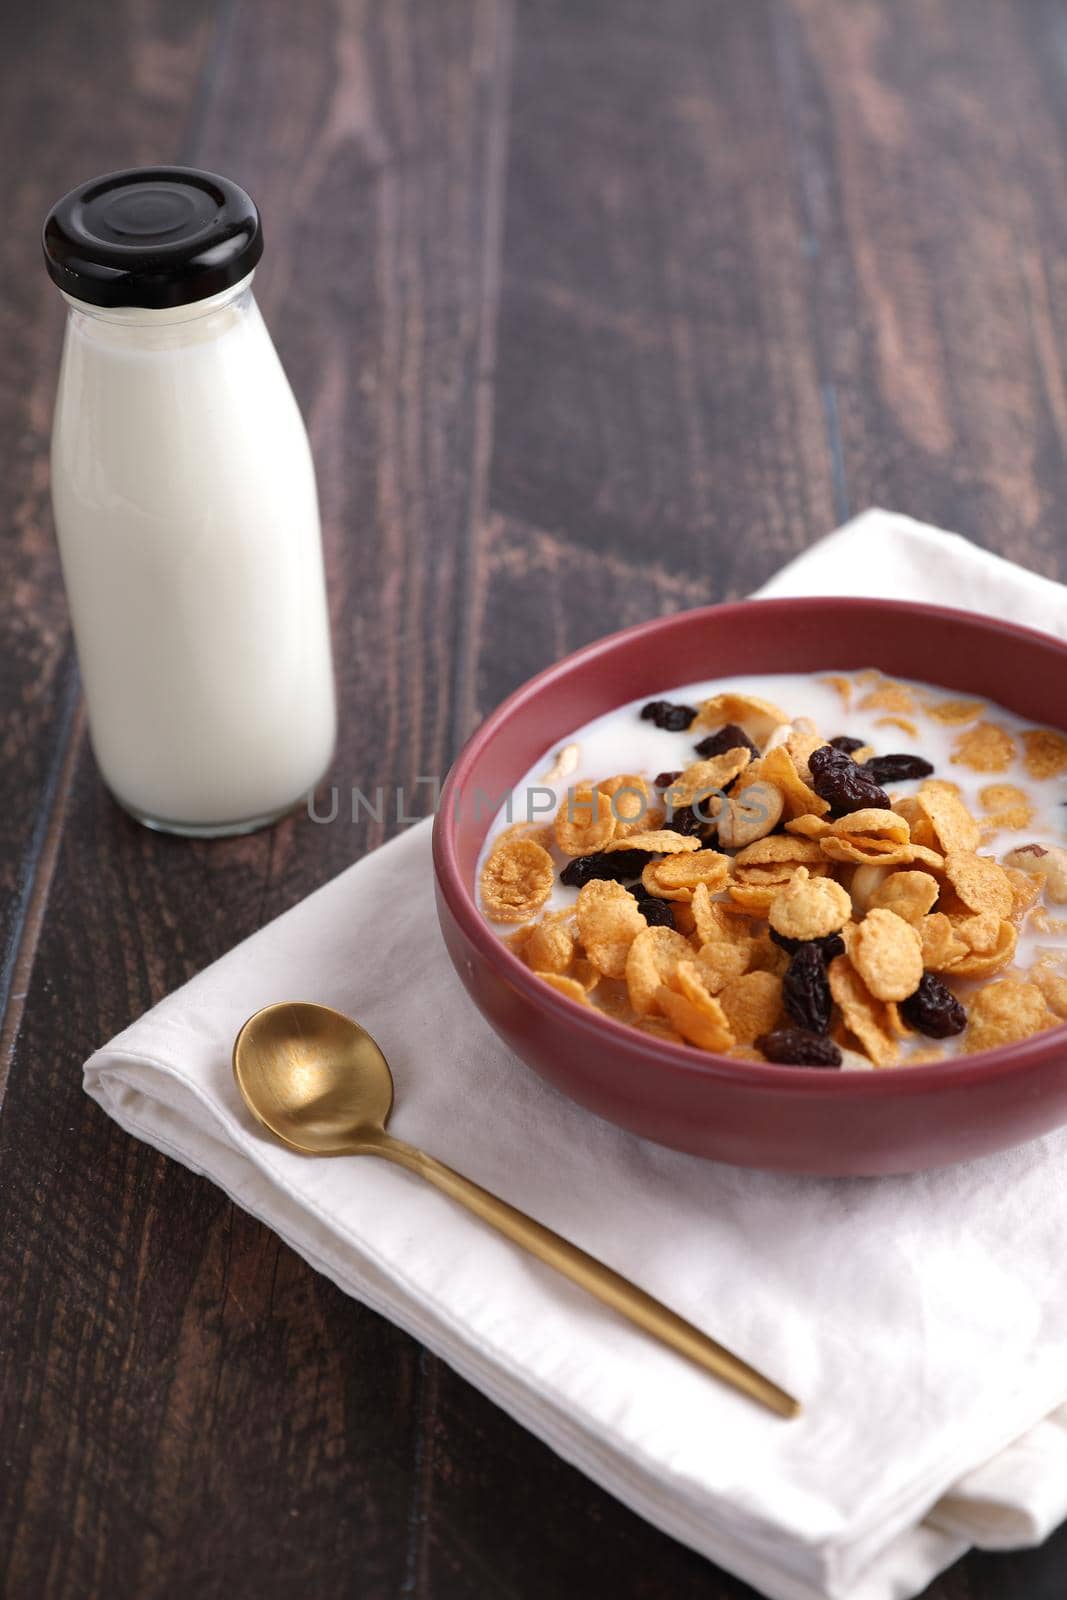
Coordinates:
<point>922,1320</point>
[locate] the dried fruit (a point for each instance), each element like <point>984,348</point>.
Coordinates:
<point>656,912</point>
<point>687,821</point>
<point>806,988</point>
<point>896,768</point>
<point>833,945</point>
<point>847,744</point>
<point>618,866</point>
<point>732,737</point>
<point>663,780</point>
<point>671,718</point>
<point>516,880</point>
<point>794,1047</point>
<point>845,787</point>
<point>933,1009</point>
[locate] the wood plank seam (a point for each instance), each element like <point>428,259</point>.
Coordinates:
<point>39,865</point>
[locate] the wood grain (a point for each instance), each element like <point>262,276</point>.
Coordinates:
<point>595,313</point>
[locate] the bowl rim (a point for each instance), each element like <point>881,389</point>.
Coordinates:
<point>680,1059</point>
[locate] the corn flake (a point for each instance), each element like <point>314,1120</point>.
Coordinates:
<point>1044,752</point>
<point>779,768</point>
<point>584,822</point>
<point>865,1016</point>
<point>909,894</point>
<point>752,1004</point>
<point>886,951</point>
<point>516,880</point>
<point>564,985</point>
<point>952,825</point>
<point>662,841</point>
<point>955,712</point>
<point>608,923</point>
<point>809,908</point>
<point>675,877</point>
<point>1007,805</point>
<point>980,882</point>
<point>650,960</point>
<point>1005,1012</point>
<point>759,718</point>
<point>987,747</point>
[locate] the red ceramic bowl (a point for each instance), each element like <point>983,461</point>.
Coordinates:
<point>791,1118</point>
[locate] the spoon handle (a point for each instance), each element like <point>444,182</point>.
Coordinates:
<point>608,1286</point>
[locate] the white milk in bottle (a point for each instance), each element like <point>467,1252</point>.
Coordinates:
<point>185,508</point>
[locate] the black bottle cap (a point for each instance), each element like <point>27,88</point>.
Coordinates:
<point>152,236</point>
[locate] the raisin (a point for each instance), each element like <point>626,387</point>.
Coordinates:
<point>688,821</point>
<point>794,1047</point>
<point>896,769</point>
<point>837,779</point>
<point>831,944</point>
<point>672,718</point>
<point>846,743</point>
<point>616,865</point>
<point>663,780</point>
<point>656,912</point>
<point>732,737</point>
<point>806,990</point>
<point>934,1009</point>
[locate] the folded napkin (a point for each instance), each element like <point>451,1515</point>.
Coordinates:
<point>922,1320</point>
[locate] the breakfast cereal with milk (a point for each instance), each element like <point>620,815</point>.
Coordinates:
<point>845,870</point>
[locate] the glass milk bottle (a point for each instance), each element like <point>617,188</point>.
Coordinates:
<point>185,508</point>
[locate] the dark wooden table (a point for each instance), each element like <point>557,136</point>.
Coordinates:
<point>596,311</point>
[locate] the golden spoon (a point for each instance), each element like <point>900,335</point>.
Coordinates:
<point>318,1081</point>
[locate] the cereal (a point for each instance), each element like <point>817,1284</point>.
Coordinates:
<point>951,823</point>
<point>631,804</point>
<point>516,880</point>
<point>1044,752</point>
<point>695,1013</point>
<point>905,725</point>
<point>809,908</point>
<point>584,822</point>
<point>779,768</point>
<point>650,960</point>
<point>980,882</point>
<point>887,953</point>
<point>608,923</point>
<point>983,964</point>
<point>1007,805</point>
<point>662,841</point>
<point>956,711</point>
<point>910,894</point>
<point>987,747</point>
<point>708,903</point>
<point>941,945</point>
<point>719,962</point>
<point>568,986</point>
<point>675,877</point>
<point>1005,1012</point>
<point>759,718</point>
<point>752,1004</point>
<point>865,1016</point>
<point>888,696</point>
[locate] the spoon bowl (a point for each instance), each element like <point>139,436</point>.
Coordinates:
<point>313,1077</point>
<point>318,1081</point>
